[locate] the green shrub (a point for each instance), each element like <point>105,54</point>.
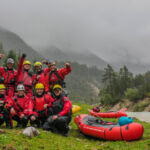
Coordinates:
<point>132,94</point>
<point>106,99</point>
<point>147,94</point>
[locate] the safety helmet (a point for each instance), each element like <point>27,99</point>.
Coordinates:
<point>51,62</point>
<point>2,86</point>
<point>57,86</point>
<point>37,63</point>
<point>26,62</point>
<point>39,86</point>
<point>20,87</point>
<point>10,60</point>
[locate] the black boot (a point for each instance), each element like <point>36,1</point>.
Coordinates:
<point>9,126</point>
<point>65,131</point>
<point>19,125</point>
<point>7,119</point>
<point>1,119</point>
<point>24,122</point>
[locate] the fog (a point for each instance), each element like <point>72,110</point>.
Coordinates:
<point>115,30</point>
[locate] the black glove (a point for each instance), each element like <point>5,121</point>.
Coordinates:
<point>24,55</point>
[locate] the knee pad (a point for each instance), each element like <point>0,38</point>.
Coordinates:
<point>46,126</point>
<point>49,120</point>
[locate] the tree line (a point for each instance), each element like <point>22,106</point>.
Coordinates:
<point>123,84</point>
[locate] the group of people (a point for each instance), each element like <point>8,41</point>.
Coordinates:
<point>40,98</point>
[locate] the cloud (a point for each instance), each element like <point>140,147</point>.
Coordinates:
<point>115,30</point>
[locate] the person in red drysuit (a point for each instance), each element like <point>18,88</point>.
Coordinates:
<point>24,76</point>
<point>8,76</point>
<point>56,76</point>
<point>60,112</point>
<point>40,74</point>
<point>4,115</point>
<point>19,107</point>
<point>48,68</point>
<point>40,104</point>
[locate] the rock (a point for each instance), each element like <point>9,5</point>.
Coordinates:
<point>30,132</point>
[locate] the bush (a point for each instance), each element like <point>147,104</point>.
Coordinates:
<point>147,94</point>
<point>132,94</point>
<point>107,99</point>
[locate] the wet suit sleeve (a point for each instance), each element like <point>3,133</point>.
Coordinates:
<point>64,71</point>
<point>67,107</point>
<point>20,69</point>
<point>47,83</point>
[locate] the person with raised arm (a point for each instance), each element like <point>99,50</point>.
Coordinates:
<point>8,76</point>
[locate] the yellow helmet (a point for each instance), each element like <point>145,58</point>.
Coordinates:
<point>57,86</point>
<point>37,63</point>
<point>26,62</point>
<point>2,86</point>
<point>39,86</point>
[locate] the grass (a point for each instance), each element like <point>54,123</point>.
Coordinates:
<point>13,139</point>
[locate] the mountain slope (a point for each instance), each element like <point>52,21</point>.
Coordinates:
<point>12,41</point>
<point>84,83</point>
<point>89,59</point>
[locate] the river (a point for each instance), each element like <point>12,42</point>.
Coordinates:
<point>143,116</point>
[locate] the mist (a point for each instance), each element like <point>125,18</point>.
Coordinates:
<point>114,30</point>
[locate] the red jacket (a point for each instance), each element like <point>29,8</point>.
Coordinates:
<point>52,78</point>
<point>20,105</point>
<point>9,76</point>
<point>41,79</point>
<point>67,106</point>
<point>47,70</point>
<point>37,104</point>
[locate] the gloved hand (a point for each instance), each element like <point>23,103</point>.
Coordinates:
<point>24,55</point>
<point>67,65</point>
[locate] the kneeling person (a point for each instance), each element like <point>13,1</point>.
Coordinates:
<point>60,112</point>
<point>40,104</point>
<point>4,115</point>
<point>18,107</point>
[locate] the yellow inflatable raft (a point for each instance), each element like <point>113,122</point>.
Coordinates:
<point>75,108</point>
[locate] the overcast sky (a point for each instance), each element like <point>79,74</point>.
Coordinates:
<point>113,29</point>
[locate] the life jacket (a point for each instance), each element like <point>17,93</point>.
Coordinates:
<point>55,78</point>
<point>8,78</point>
<point>39,103</point>
<point>18,104</point>
<point>42,77</point>
<point>96,109</point>
<point>57,105</point>
<point>27,79</point>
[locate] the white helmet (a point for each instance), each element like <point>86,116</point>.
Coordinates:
<point>10,60</point>
<point>20,87</point>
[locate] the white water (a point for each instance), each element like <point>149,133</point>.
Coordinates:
<point>143,116</point>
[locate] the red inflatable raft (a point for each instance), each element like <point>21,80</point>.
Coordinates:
<point>92,126</point>
<point>111,114</point>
